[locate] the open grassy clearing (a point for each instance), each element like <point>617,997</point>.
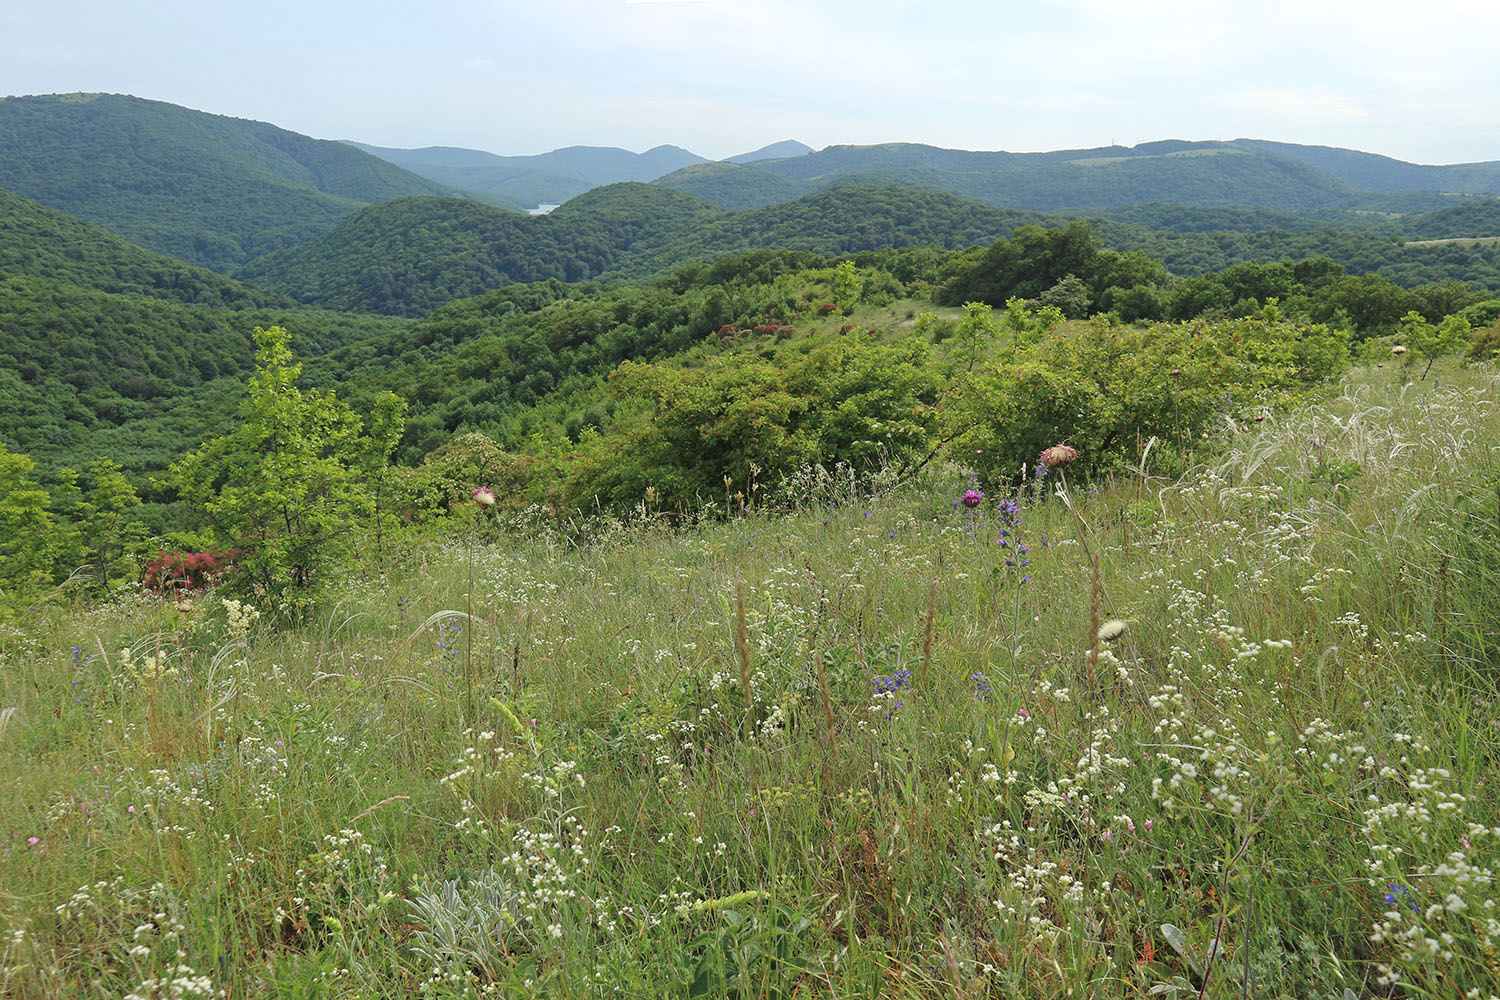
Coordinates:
<point>913,772</point>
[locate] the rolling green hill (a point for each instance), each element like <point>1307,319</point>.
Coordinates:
<point>207,189</point>
<point>735,186</point>
<point>409,256</point>
<point>1320,185</point>
<point>41,242</point>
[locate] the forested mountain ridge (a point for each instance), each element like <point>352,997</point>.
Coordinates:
<point>207,189</point>
<point>528,181</point>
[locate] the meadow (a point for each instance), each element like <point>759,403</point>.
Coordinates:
<point>1231,733</point>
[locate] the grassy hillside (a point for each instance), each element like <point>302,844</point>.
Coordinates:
<point>207,189</point>
<point>1371,172</point>
<point>849,752</point>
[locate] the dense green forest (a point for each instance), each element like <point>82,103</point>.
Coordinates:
<point>40,242</point>
<point>209,190</point>
<point>76,362</point>
<point>409,256</point>
<point>91,370</point>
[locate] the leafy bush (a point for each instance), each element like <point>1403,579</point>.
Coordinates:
<point>1108,389</point>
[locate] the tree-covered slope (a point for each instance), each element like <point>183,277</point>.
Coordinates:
<point>847,218</point>
<point>77,361</point>
<point>207,189</point>
<point>409,256</point>
<point>43,242</point>
<point>1372,172</point>
<point>1314,182</point>
<point>736,186</point>
<point>1467,221</point>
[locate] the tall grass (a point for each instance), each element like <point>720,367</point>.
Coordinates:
<point>875,748</point>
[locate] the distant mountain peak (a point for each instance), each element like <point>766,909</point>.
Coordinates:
<point>775,151</point>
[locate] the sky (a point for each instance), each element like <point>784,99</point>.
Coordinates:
<point>719,77</point>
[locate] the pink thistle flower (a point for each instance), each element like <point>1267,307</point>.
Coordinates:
<point>33,841</point>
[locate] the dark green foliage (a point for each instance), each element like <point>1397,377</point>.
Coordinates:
<point>407,257</point>
<point>736,424</point>
<point>735,186</point>
<point>41,242</point>
<point>1477,218</point>
<point>30,538</point>
<point>75,362</point>
<point>212,190</point>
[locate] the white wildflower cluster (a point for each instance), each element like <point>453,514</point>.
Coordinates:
<point>180,982</point>
<point>144,670</point>
<point>342,886</point>
<point>239,618</point>
<point>1434,868</point>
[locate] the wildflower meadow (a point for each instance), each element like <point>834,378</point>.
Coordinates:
<point>1226,730</point>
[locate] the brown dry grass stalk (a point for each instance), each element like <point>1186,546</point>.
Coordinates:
<point>830,751</point>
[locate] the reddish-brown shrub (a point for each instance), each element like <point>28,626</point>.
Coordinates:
<point>173,573</point>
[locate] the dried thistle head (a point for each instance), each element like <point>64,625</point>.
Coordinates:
<point>1111,630</point>
<point>1059,456</point>
<point>483,496</point>
<point>1398,349</point>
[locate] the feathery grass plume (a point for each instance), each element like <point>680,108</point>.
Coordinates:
<point>927,631</point>
<point>831,751</point>
<point>1111,630</point>
<point>742,646</point>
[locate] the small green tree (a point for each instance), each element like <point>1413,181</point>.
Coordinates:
<point>847,287</point>
<point>100,510</point>
<point>975,329</point>
<point>29,537</point>
<point>1431,342</point>
<point>1070,295</point>
<point>287,487</point>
